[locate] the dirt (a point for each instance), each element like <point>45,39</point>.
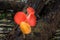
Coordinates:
<point>47,24</point>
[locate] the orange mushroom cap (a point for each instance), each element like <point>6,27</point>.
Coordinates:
<point>25,28</point>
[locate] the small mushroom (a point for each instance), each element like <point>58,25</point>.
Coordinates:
<point>19,17</point>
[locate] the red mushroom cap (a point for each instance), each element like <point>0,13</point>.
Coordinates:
<point>19,17</point>
<point>31,20</point>
<point>30,10</point>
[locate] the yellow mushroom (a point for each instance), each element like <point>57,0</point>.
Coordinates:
<point>25,28</point>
